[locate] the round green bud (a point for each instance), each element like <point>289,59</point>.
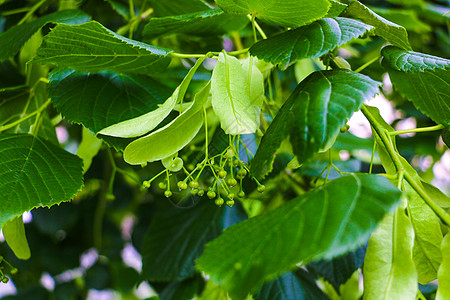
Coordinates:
<point>5,279</point>
<point>241,194</point>
<point>201,192</point>
<point>168,194</point>
<point>193,184</point>
<point>261,188</point>
<point>231,196</point>
<point>194,191</point>
<point>146,184</point>
<point>231,181</point>
<point>182,185</point>
<point>230,202</point>
<point>222,174</point>
<point>241,173</point>
<point>229,153</point>
<point>219,201</point>
<point>211,194</point>
<point>162,185</point>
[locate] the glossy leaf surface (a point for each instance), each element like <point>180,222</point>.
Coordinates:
<point>100,100</point>
<point>391,32</point>
<point>237,94</point>
<point>422,79</point>
<point>209,22</point>
<point>91,47</point>
<point>16,36</point>
<point>291,13</point>
<point>257,249</point>
<point>310,41</point>
<point>147,122</point>
<point>35,173</point>
<point>171,138</point>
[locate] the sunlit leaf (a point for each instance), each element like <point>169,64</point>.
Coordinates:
<point>322,223</point>
<point>310,41</point>
<point>237,92</point>
<point>17,35</point>
<point>443,291</point>
<point>91,47</point>
<point>290,13</point>
<point>35,173</point>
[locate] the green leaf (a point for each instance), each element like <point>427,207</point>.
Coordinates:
<point>391,32</point>
<point>16,36</point>
<point>177,7</point>
<point>310,41</point>
<point>410,61</point>
<point>443,291</point>
<point>436,195</point>
<point>171,138</point>
<point>91,47</point>
<point>325,101</point>
<point>290,13</point>
<point>35,173</point>
<point>389,271</point>
<point>237,94</point>
<point>446,136</point>
<point>176,239</point>
<point>88,148</point>
<point>212,291</point>
<point>99,100</point>
<point>336,9</point>
<point>313,114</point>
<point>147,122</point>
<point>209,22</point>
<point>291,286</point>
<point>405,18</point>
<point>305,228</point>
<point>14,233</point>
<point>426,85</point>
<point>427,229</point>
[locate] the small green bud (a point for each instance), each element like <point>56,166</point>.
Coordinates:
<point>201,192</point>
<point>222,174</point>
<point>229,153</point>
<point>168,194</point>
<point>193,184</point>
<point>241,194</point>
<point>231,196</point>
<point>162,185</point>
<point>211,194</point>
<point>230,202</point>
<point>194,191</point>
<point>182,185</point>
<point>219,201</point>
<point>146,184</point>
<point>231,181</point>
<point>261,188</point>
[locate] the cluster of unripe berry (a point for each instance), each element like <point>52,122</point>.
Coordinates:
<point>12,270</point>
<point>223,182</point>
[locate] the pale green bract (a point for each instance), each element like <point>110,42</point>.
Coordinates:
<point>237,94</point>
<point>172,163</point>
<point>88,148</point>
<point>147,122</point>
<point>14,233</point>
<point>389,271</point>
<point>170,138</point>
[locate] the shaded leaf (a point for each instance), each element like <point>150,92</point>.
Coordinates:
<point>177,7</point>
<point>14,233</point>
<point>256,249</point>
<point>16,36</point>
<point>338,270</point>
<point>171,138</point>
<point>147,122</point>
<point>237,94</point>
<point>99,100</point>
<point>186,289</point>
<point>290,287</point>
<point>35,173</point>
<point>209,22</point>
<point>443,291</point>
<point>336,8</point>
<point>291,13</point>
<point>310,41</point>
<point>176,239</point>
<point>91,47</point>
<point>389,271</point>
<point>391,32</point>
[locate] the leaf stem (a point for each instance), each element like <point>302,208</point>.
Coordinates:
<point>423,129</point>
<point>261,32</point>
<point>445,218</point>
<point>367,64</point>
<point>17,122</point>
<point>31,11</point>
